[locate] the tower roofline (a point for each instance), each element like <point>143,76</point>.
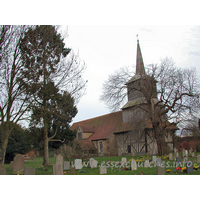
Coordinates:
<point>140,70</point>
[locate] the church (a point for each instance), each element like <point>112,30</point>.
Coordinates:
<point>129,131</point>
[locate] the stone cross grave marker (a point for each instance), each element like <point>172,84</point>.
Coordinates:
<point>29,171</point>
<point>198,158</point>
<point>94,163</point>
<point>146,163</point>
<point>189,167</point>
<point>66,165</point>
<point>102,170</point>
<point>18,165</point>
<point>59,159</point>
<point>171,157</point>
<point>2,171</point>
<point>78,163</point>
<point>57,169</point>
<point>133,165</point>
<point>160,170</point>
<point>123,161</point>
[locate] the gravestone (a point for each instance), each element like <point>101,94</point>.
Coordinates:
<point>57,169</point>
<point>186,153</point>
<point>158,161</point>
<point>193,154</point>
<point>171,157</point>
<point>160,170</point>
<point>102,170</point>
<point>2,171</point>
<point>190,151</point>
<point>18,165</point>
<point>146,163</point>
<point>11,164</point>
<point>178,161</point>
<point>123,161</point>
<point>154,158</point>
<point>198,158</point>
<point>176,154</point>
<point>90,160</point>
<point>59,159</point>
<point>78,163</point>
<point>133,165</point>
<point>29,171</point>
<point>94,163</point>
<point>175,150</point>
<point>66,165</point>
<point>72,171</point>
<point>189,167</point>
<point>183,152</point>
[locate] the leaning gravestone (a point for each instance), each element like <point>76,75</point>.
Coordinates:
<point>178,161</point>
<point>160,170</point>
<point>90,160</point>
<point>78,163</point>
<point>59,159</point>
<point>18,165</point>
<point>133,165</point>
<point>57,169</point>
<point>102,170</point>
<point>198,158</point>
<point>29,171</point>
<point>123,161</point>
<point>2,171</point>
<point>94,163</point>
<point>146,163</point>
<point>66,165</point>
<point>189,167</point>
<point>171,156</point>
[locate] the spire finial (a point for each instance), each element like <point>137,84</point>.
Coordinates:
<point>137,38</point>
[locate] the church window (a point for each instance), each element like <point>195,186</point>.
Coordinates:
<point>129,148</point>
<point>101,146</point>
<point>79,135</point>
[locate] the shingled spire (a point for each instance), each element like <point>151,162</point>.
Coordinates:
<point>139,61</point>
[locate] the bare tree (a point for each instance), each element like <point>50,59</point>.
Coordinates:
<point>14,104</point>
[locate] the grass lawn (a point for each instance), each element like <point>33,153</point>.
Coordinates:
<point>40,169</point>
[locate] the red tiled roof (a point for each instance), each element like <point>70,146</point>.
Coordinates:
<point>86,144</point>
<point>87,128</point>
<point>104,125</point>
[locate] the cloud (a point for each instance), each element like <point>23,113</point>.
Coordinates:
<point>194,53</point>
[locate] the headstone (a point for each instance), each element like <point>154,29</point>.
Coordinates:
<point>133,165</point>
<point>2,171</point>
<point>176,154</point>
<point>178,161</point>
<point>66,165</point>
<point>171,157</point>
<point>78,163</point>
<point>123,161</point>
<point>198,158</point>
<point>72,171</point>
<point>59,159</point>
<point>102,170</point>
<point>193,154</point>
<point>18,165</point>
<point>190,151</point>
<point>160,170</point>
<point>90,160</point>
<point>146,163</point>
<point>154,158</point>
<point>183,152</point>
<point>11,164</point>
<point>186,153</point>
<point>94,163</point>
<point>158,161</point>
<point>29,171</point>
<point>57,169</point>
<point>175,150</point>
<point>189,167</point>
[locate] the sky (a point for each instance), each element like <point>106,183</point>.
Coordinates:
<point>106,49</point>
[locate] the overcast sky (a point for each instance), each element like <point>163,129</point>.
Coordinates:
<point>108,48</point>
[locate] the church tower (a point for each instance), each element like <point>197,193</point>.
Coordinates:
<point>140,88</point>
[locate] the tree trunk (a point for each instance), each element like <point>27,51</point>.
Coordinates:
<point>4,144</point>
<point>46,144</point>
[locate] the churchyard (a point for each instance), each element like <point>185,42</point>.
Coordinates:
<point>116,165</point>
